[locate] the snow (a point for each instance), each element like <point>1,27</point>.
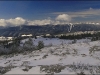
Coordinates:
<point>18,70</point>
<point>54,41</point>
<point>5,38</point>
<point>63,54</point>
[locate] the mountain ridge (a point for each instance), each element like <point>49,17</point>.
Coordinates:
<point>46,29</point>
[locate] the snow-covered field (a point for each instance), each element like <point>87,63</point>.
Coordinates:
<point>62,57</point>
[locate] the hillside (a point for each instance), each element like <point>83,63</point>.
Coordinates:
<point>47,29</point>
<point>62,57</point>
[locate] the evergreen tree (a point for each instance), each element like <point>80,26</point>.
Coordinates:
<point>35,37</point>
<point>40,45</point>
<point>28,45</point>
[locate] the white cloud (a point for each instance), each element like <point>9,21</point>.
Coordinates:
<point>83,13</point>
<point>63,17</point>
<point>20,21</point>
<point>2,22</point>
<point>40,22</point>
<point>91,8</point>
<point>12,22</point>
<point>60,19</point>
<point>17,21</point>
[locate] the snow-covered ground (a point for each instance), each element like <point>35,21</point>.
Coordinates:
<point>55,41</point>
<point>62,57</point>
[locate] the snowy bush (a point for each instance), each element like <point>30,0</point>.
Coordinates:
<point>45,56</point>
<point>82,73</point>
<point>6,69</point>
<point>81,68</point>
<point>57,68</point>
<point>15,49</point>
<point>94,49</point>
<point>74,41</point>
<point>3,50</point>
<point>40,45</point>
<point>28,45</point>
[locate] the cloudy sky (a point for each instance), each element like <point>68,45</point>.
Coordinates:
<point>48,12</point>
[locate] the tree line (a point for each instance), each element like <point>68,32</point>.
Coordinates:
<point>16,47</point>
<point>93,37</point>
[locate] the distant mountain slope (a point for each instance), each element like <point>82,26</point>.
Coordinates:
<point>52,29</point>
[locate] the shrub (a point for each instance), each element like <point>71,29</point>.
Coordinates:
<point>40,45</point>
<point>74,41</point>
<point>82,73</point>
<point>28,45</point>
